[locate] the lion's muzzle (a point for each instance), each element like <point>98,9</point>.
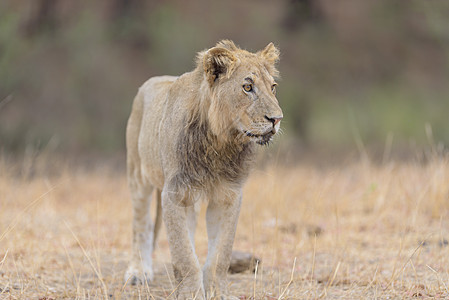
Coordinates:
<point>274,120</point>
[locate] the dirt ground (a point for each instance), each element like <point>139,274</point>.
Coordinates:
<point>355,231</point>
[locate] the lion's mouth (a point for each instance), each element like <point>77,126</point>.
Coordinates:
<point>261,139</point>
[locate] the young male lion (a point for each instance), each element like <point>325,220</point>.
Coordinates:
<point>193,137</point>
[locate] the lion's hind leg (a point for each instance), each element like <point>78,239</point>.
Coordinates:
<point>140,269</point>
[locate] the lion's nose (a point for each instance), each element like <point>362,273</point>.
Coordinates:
<point>274,120</point>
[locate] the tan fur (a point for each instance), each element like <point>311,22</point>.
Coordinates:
<point>193,137</point>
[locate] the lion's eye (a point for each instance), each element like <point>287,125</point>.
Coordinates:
<point>273,88</point>
<point>248,87</point>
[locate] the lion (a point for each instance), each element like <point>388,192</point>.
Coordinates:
<point>194,137</point>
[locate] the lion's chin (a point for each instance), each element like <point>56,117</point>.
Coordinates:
<point>261,139</point>
<point>265,139</point>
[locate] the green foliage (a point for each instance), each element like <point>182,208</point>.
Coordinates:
<point>11,49</point>
<point>375,68</point>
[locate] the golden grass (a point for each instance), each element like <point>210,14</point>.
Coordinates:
<point>351,232</point>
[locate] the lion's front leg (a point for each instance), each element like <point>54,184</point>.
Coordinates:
<point>186,267</point>
<point>221,217</point>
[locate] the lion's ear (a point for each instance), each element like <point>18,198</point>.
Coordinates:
<point>218,62</point>
<point>227,44</point>
<point>270,53</point>
<point>271,56</point>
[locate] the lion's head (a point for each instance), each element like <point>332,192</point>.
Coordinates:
<point>243,91</point>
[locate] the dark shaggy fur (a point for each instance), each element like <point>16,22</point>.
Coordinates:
<point>204,161</point>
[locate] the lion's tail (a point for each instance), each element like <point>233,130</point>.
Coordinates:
<point>158,218</point>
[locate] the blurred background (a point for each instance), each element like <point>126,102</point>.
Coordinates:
<point>356,75</point>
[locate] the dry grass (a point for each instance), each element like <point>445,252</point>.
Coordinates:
<point>351,232</point>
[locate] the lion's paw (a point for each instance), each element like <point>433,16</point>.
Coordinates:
<point>135,277</point>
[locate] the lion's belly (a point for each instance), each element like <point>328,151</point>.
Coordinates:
<point>153,175</point>
<point>151,166</point>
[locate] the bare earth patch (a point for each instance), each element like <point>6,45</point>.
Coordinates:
<point>351,232</point>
